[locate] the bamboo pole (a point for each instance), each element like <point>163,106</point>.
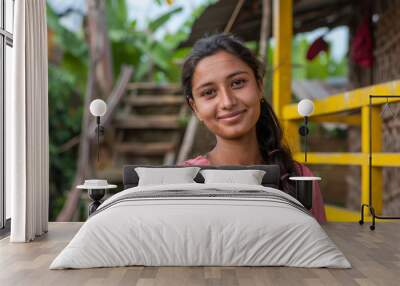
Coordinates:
<point>233,17</point>
<point>265,31</point>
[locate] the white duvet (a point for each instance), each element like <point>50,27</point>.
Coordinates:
<point>183,231</point>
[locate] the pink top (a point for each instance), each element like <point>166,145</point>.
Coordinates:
<point>318,210</point>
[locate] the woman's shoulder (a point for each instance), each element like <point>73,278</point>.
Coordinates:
<point>304,170</point>
<point>199,160</point>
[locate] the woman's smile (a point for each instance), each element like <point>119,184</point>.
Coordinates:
<point>232,117</point>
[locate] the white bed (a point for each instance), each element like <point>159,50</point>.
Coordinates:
<point>251,225</point>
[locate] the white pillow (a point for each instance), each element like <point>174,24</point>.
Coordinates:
<point>162,176</point>
<point>249,177</point>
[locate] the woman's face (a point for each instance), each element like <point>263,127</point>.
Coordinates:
<point>226,96</point>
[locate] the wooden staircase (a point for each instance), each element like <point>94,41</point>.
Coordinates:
<point>146,127</point>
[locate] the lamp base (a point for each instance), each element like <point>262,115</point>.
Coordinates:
<point>304,190</point>
<point>95,195</point>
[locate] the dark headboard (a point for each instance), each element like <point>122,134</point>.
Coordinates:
<point>270,179</point>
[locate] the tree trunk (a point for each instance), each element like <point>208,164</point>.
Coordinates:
<point>100,81</point>
<point>99,46</point>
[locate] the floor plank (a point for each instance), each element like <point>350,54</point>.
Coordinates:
<point>374,255</point>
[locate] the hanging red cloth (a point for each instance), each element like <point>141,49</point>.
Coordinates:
<point>317,47</point>
<point>361,45</point>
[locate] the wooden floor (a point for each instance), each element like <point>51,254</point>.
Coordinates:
<point>375,257</point>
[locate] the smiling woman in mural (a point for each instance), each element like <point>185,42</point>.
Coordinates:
<point>223,84</point>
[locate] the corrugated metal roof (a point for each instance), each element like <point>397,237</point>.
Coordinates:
<point>319,89</point>
<point>308,15</point>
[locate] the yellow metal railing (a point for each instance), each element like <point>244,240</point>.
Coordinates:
<point>333,106</point>
<point>332,109</point>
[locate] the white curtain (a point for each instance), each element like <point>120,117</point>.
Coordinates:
<point>27,147</point>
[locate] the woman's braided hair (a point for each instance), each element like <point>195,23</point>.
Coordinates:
<point>269,132</point>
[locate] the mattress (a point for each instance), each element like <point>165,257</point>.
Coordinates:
<point>201,225</point>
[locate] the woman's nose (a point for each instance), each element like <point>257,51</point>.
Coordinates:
<point>227,99</point>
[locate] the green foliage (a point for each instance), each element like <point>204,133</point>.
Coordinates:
<point>183,121</point>
<point>139,48</point>
<point>153,59</point>
<point>155,24</point>
<point>67,81</point>
<point>72,46</point>
<point>65,113</point>
<point>321,67</point>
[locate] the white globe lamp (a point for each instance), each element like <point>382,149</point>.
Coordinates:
<point>305,107</point>
<point>98,107</point>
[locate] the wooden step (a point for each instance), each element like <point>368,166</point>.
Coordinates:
<point>112,175</point>
<point>147,122</point>
<point>154,86</point>
<point>145,149</point>
<point>154,100</point>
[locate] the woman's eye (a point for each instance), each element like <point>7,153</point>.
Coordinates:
<point>208,92</point>
<point>238,83</point>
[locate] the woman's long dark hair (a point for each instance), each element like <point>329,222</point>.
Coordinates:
<point>269,132</point>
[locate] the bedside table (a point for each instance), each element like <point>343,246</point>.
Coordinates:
<point>304,189</point>
<point>96,191</point>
